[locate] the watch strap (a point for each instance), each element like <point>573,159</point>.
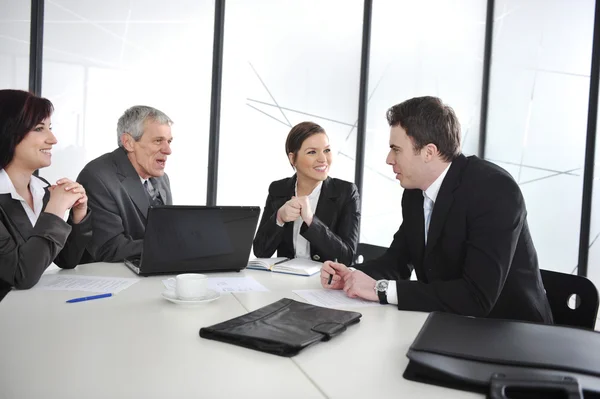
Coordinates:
<point>382,297</point>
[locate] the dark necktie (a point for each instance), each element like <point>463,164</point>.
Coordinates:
<point>153,194</point>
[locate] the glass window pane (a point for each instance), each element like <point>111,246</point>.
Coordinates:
<point>284,63</point>
<point>101,58</point>
<point>538,115</point>
<point>15,17</point>
<point>415,52</point>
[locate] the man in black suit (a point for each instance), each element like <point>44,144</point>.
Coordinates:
<point>122,185</point>
<point>464,229</point>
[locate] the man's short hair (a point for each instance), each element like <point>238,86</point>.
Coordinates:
<point>132,121</point>
<point>427,120</point>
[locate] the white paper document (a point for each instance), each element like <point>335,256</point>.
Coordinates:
<point>230,284</point>
<point>332,298</point>
<point>107,285</point>
<point>235,284</point>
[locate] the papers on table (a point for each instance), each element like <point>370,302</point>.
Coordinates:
<point>60,282</point>
<point>230,284</point>
<point>332,298</point>
<point>235,284</point>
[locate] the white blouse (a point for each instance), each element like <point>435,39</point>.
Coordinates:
<point>301,245</point>
<point>36,186</point>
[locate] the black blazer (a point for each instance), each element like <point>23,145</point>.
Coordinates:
<point>120,205</point>
<point>26,251</point>
<point>480,259</point>
<point>333,232</point>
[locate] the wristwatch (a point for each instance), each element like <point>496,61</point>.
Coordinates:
<point>381,290</point>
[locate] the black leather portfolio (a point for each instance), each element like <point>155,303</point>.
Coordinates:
<point>283,328</point>
<point>502,356</point>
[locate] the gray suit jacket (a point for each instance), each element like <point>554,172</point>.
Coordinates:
<point>26,251</point>
<point>119,205</point>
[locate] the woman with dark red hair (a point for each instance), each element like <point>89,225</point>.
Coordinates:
<point>33,233</point>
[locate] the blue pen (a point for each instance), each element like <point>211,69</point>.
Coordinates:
<point>88,298</point>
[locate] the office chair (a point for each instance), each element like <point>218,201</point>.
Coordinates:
<point>559,289</point>
<point>367,252</point>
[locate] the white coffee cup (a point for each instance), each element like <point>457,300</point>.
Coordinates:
<point>190,285</point>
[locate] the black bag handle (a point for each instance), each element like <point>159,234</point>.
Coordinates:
<point>534,387</point>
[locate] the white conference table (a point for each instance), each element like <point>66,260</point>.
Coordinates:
<point>138,345</point>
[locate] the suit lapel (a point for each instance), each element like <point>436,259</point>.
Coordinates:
<point>46,198</point>
<point>14,210</point>
<point>135,190</point>
<point>161,190</point>
<point>326,206</point>
<point>281,196</point>
<point>131,181</point>
<point>444,201</point>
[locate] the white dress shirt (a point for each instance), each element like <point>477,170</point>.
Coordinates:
<point>429,198</point>
<point>36,186</point>
<point>301,245</point>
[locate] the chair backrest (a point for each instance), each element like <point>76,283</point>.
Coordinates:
<point>367,252</point>
<point>560,288</point>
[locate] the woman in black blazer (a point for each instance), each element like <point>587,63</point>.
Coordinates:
<point>33,233</point>
<point>309,215</point>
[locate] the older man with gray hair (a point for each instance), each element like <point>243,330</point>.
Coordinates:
<point>121,185</point>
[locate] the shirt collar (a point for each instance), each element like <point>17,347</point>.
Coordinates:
<point>36,186</point>
<point>434,189</point>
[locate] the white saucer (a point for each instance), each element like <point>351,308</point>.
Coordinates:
<point>211,295</point>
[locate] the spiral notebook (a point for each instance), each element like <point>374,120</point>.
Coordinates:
<point>298,266</point>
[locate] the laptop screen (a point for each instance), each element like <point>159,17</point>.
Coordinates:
<point>198,238</point>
